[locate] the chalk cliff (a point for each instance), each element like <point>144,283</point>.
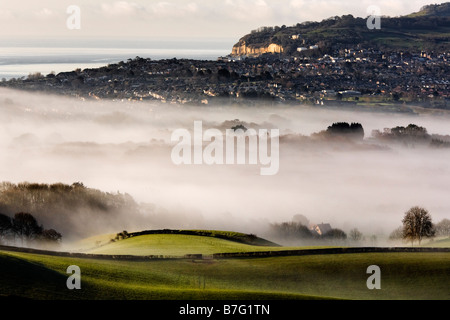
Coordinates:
<point>243,49</point>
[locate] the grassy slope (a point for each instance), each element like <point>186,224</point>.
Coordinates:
<point>437,243</point>
<point>404,276</point>
<point>176,245</point>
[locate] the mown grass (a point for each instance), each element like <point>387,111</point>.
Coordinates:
<point>343,276</point>
<point>177,245</point>
<point>437,243</point>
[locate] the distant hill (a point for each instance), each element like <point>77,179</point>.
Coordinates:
<point>434,10</point>
<point>249,239</point>
<point>183,242</point>
<point>427,29</point>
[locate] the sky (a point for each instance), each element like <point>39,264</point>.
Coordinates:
<point>176,19</point>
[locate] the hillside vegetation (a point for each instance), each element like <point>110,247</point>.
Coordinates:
<point>427,29</point>
<point>68,208</point>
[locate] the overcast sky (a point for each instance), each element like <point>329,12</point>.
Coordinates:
<point>204,19</point>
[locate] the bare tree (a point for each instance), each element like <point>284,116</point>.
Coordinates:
<point>396,234</point>
<point>25,226</point>
<point>417,224</point>
<point>355,235</point>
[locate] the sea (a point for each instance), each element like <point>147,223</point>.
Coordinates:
<point>19,58</point>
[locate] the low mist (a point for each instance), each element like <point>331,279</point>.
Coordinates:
<point>123,146</point>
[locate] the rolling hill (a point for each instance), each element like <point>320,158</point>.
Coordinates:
<point>334,273</point>
<point>342,276</point>
<point>174,245</point>
<point>427,29</point>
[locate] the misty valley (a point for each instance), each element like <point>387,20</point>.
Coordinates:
<point>236,147</point>
<point>148,152</point>
<point>85,168</point>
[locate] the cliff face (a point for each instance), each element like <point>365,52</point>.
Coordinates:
<point>242,49</point>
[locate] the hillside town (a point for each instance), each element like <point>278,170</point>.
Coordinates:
<point>347,76</point>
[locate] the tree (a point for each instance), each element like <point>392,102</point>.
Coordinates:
<point>25,226</point>
<point>412,133</point>
<point>122,235</point>
<point>335,234</point>
<point>51,235</point>
<point>239,126</point>
<point>291,230</point>
<point>354,130</point>
<point>397,234</point>
<point>355,235</point>
<point>417,224</point>
<point>35,76</point>
<point>443,228</point>
<point>5,226</point>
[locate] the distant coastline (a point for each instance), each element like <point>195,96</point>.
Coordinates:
<point>19,60</point>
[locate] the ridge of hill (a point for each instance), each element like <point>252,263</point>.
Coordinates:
<point>427,29</point>
<point>239,237</point>
<point>433,10</point>
<point>173,243</point>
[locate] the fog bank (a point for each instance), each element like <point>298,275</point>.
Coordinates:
<point>126,146</point>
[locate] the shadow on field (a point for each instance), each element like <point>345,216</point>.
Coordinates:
<point>30,280</point>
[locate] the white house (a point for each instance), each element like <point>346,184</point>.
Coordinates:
<point>321,228</point>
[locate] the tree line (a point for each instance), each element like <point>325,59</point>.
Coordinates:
<point>417,225</point>
<point>25,229</point>
<point>65,207</point>
<point>296,230</point>
<point>292,231</point>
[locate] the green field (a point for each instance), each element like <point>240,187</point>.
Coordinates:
<point>404,275</point>
<point>177,245</point>
<point>343,276</point>
<point>438,243</point>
